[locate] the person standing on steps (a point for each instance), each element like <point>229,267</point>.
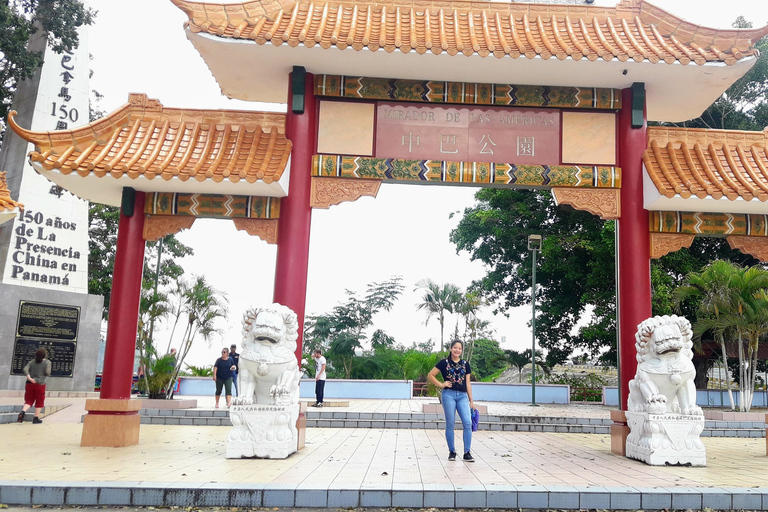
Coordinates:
<point>34,391</point>
<point>320,364</point>
<point>222,374</point>
<point>456,397</point>
<point>235,357</point>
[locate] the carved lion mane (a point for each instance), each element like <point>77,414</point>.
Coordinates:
<point>645,332</point>
<point>282,337</point>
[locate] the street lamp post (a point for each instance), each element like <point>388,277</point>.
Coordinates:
<point>534,245</point>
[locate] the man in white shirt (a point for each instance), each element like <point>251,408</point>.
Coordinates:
<point>319,377</point>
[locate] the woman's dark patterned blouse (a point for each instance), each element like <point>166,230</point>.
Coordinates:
<point>455,373</point>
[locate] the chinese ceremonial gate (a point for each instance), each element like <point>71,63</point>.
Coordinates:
<point>423,94</point>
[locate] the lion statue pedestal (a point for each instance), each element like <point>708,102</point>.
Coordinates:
<point>664,421</point>
<point>264,416</point>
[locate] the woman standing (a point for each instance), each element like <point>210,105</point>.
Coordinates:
<point>222,374</point>
<point>457,396</point>
<point>34,392</point>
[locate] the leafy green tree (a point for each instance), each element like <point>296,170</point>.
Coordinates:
<point>340,333</point>
<point>381,339</point>
<point>19,21</point>
<point>103,222</point>
<point>736,301</point>
<point>437,300</point>
<point>744,106</point>
<point>576,263</point>
<point>516,359</point>
<point>520,360</point>
<point>485,359</point>
<point>199,371</point>
<point>710,291</point>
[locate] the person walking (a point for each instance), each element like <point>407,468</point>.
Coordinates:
<point>235,357</point>
<point>222,374</point>
<point>320,365</point>
<point>34,391</point>
<point>456,397</point>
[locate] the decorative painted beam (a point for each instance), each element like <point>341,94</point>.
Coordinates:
<point>710,224</point>
<point>430,91</point>
<point>466,173</point>
<point>212,205</point>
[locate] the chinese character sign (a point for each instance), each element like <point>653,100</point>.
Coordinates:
<point>474,134</point>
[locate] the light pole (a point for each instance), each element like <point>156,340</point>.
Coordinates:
<point>534,244</point>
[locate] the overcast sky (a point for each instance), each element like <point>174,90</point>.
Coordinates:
<point>140,46</point>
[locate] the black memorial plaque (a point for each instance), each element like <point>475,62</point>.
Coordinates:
<point>61,354</point>
<point>47,321</point>
<point>50,326</point>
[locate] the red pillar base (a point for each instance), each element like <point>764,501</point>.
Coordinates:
<point>111,423</point>
<point>301,425</point>
<point>619,433</point>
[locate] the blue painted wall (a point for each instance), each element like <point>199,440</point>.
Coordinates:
<point>704,398</point>
<point>340,388</point>
<point>521,393</point>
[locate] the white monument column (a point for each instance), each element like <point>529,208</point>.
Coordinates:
<point>44,299</point>
<point>47,246</point>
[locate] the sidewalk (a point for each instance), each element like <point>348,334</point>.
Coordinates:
<point>186,466</point>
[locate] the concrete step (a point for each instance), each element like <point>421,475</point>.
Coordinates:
<point>347,419</point>
<point>10,413</point>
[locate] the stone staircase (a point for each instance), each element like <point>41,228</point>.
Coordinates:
<point>346,419</point>
<point>10,413</point>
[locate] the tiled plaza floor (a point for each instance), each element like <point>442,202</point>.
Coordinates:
<point>378,467</point>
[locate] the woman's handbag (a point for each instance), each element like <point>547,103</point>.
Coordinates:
<point>475,419</point>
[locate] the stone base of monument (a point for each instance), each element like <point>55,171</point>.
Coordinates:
<point>666,439</point>
<point>263,431</point>
<point>619,433</point>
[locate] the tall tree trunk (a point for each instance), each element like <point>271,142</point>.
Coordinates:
<point>727,372</point>
<point>742,383</point>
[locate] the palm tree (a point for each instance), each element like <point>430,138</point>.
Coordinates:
<point>711,287</point>
<point>437,300</point>
<point>737,303</point>
<point>468,306</point>
<point>521,359</point>
<point>203,305</point>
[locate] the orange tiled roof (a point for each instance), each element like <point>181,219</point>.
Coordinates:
<point>634,29</point>
<point>702,163</point>
<point>6,203</point>
<point>142,138</point>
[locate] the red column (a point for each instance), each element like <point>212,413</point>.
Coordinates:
<point>295,213</point>
<point>634,267</point>
<point>124,305</point>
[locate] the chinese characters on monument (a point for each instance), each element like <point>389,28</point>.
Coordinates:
<point>479,134</point>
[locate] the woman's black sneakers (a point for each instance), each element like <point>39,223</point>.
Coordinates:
<point>38,420</point>
<point>451,455</point>
<point>21,417</point>
<point>468,457</point>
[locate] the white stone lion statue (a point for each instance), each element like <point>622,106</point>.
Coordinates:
<point>269,373</point>
<point>664,379</point>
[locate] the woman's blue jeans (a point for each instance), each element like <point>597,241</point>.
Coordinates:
<point>454,401</point>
